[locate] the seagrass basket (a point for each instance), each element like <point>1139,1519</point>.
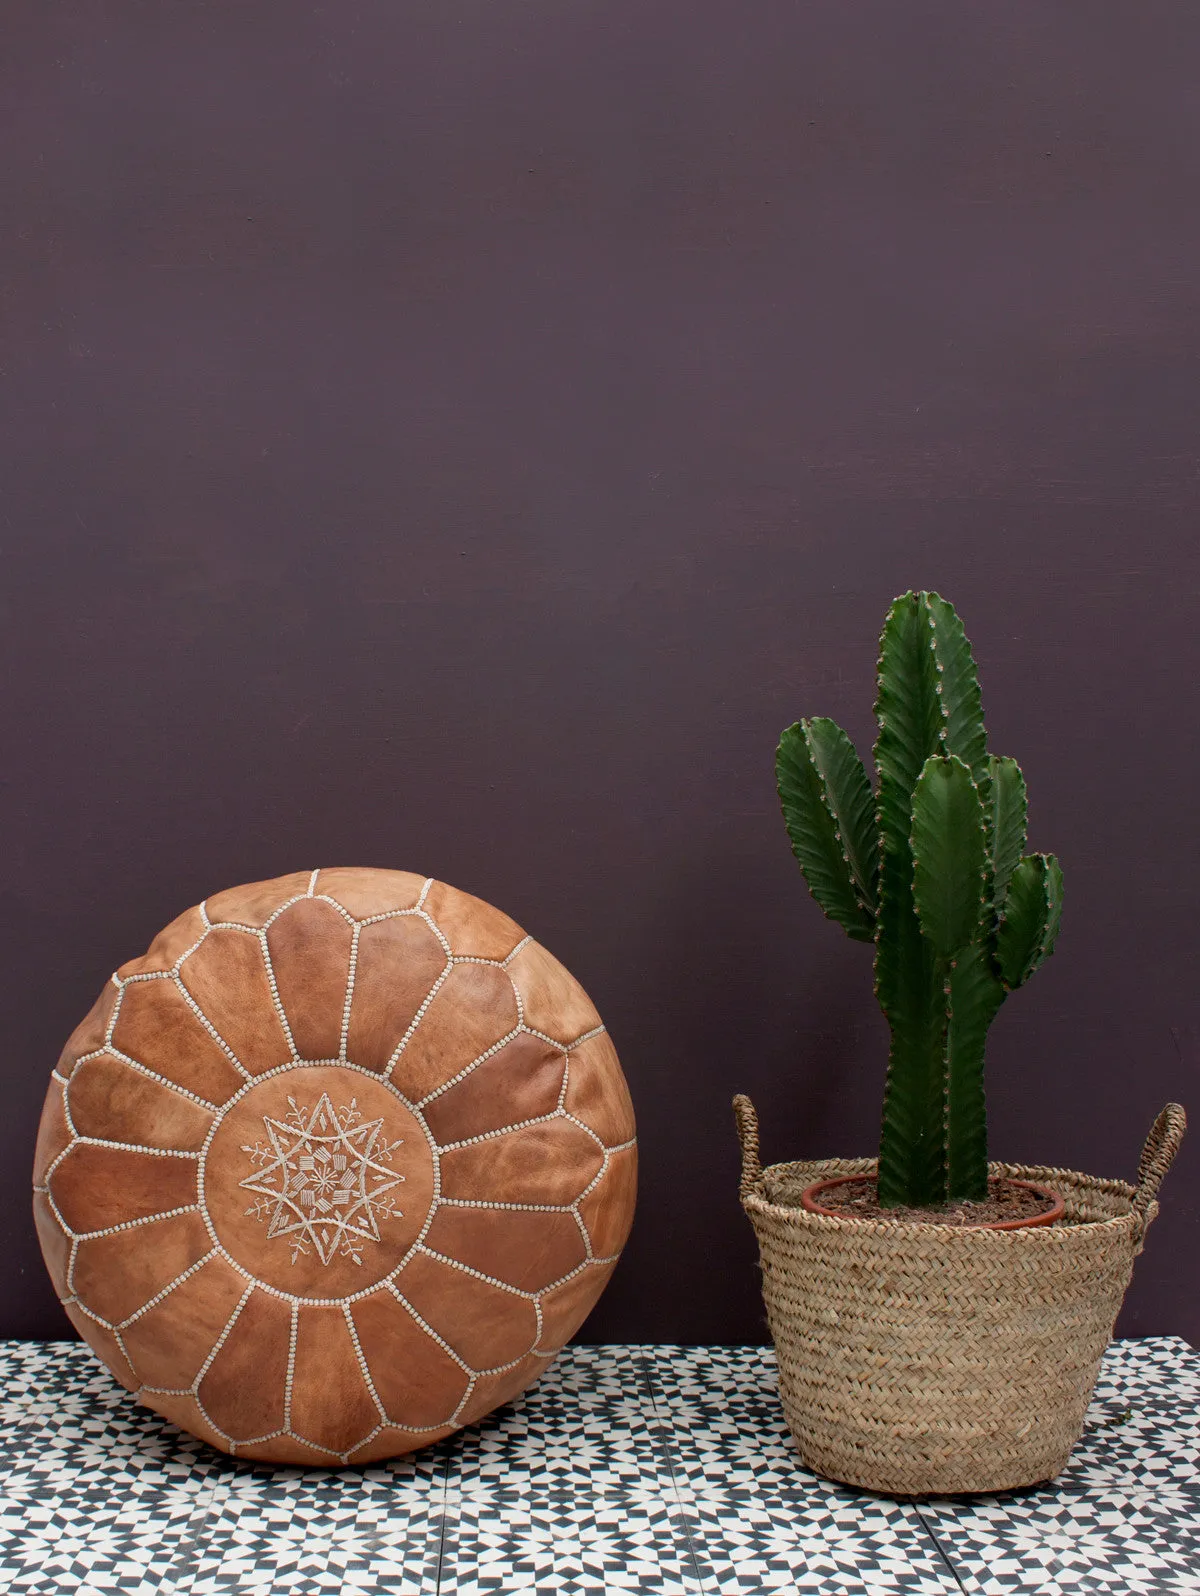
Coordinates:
<point>928,1359</point>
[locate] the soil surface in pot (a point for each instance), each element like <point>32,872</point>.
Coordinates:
<point>858,1199</point>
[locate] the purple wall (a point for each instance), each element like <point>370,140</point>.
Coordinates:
<point>459,436</point>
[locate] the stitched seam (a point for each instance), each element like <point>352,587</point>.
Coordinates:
<point>136,1224</point>
<point>132,1147</point>
<point>504,1130</point>
<point>567,1047</point>
<point>211,1028</point>
<point>429,1330</point>
<point>220,1341</point>
<point>291,1367</point>
<point>275,998</point>
<point>165,1292</point>
<point>416,1019</point>
<point>365,1371</point>
<point>350,977</point>
<point>478,1274</point>
<point>153,1075</point>
<point>490,1052</point>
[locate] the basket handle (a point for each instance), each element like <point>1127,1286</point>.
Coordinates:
<point>1157,1157</point>
<point>746,1118</point>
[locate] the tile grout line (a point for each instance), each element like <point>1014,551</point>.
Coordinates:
<point>659,1426</point>
<point>446,1448</point>
<point>943,1555</point>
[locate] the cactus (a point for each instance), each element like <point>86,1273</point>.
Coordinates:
<point>930,868</point>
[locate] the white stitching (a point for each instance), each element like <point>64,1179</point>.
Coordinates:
<point>56,1211</point>
<point>215,1428</point>
<point>135,1224</point>
<point>116,1009</point>
<point>583,1231</point>
<point>568,1047</point>
<point>282,908</point>
<point>491,1280</point>
<point>387,914</point>
<point>144,1069</point>
<point>350,978</point>
<point>523,943</point>
<point>211,1028</point>
<point>464,1399</point>
<point>504,1130</point>
<point>365,1371</point>
<point>428,1328</point>
<point>474,1064</point>
<point>323,897</point>
<point>437,931</point>
<point>416,1019</point>
<point>187,952</point>
<point>599,1140</point>
<point>275,998</point>
<point>291,1367</point>
<point>165,1292</point>
<point>221,1339</point>
<point>132,1147</point>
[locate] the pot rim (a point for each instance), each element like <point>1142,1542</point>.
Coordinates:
<point>1029,1222</point>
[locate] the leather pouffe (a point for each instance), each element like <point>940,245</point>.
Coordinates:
<point>336,1168</point>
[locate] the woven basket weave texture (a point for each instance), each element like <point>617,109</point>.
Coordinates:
<point>928,1359</point>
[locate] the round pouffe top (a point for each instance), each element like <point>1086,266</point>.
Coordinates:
<point>336,1168</point>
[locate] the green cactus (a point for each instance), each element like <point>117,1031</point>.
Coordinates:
<point>929,868</point>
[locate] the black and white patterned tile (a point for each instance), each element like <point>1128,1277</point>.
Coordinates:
<point>661,1471</point>
<point>1124,1516</point>
<point>758,1519</point>
<point>587,1546</point>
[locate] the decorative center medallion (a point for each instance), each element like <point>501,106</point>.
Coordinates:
<point>326,1179</point>
<point>317,1179</point>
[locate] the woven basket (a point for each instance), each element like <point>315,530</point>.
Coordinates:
<point>925,1359</point>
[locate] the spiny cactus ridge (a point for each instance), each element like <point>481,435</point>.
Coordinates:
<point>930,867</point>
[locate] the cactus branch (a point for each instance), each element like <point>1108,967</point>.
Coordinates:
<point>958,689</point>
<point>829,813</point>
<point>948,854</point>
<point>851,802</point>
<point>1006,810</point>
<point>1027,930</point>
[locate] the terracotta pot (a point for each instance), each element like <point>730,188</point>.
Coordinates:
<point>1057,1207</point>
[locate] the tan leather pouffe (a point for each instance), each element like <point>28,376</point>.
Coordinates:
<point>336,1168</point>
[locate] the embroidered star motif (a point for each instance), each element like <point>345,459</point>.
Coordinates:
<point>324,1179</point>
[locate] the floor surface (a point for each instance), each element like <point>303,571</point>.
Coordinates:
<point>626,1469</point>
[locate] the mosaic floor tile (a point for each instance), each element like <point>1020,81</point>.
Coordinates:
<point>81,1560</point>
<point>660,1471</point>
<point>753,1547</point>
<point>567,1546</point>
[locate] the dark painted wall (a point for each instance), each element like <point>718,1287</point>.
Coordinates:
<point>460,435</point>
